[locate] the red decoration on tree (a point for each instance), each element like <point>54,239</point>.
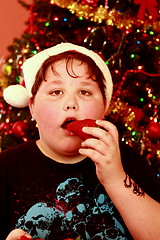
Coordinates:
<point>20,129</point>
<point>92,3</point>
<point>106,4</point>
<point>31,28</point>
<point>4,128</point>
<point>149,5</point>
<point>153,130</point>
<point>2,108</point>
<point>138,113</point>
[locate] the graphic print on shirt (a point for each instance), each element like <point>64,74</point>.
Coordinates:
<point>72,215</point>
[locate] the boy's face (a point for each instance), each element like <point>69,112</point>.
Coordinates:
<point>63,97</point>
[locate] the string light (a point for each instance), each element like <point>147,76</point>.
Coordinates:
<point>34,51</point>
<point>151,33</point>
<point>141,99</point>
<point>47,24</point>
<point>56,19</point>
<point>132,55</point>
<point>10,60</point>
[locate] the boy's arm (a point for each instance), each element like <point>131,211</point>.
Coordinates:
<point>141,214</point>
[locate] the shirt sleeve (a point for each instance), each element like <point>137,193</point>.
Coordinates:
<point>138,168</point>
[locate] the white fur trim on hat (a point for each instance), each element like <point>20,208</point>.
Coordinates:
<point>16,95</point>
<point>33,64</point>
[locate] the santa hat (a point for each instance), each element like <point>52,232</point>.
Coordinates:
<point>18,96</point>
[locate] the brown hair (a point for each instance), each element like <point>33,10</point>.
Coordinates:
<point>93,70</point>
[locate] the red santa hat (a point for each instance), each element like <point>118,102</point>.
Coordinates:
<point>18,96</point>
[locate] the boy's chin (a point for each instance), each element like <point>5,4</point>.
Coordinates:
<point>72,148</point>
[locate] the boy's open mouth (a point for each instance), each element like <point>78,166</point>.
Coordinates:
<point>67,121</point>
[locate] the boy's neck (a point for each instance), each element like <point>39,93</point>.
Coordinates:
<point>66,159</point>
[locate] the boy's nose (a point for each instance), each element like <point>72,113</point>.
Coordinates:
<point>71,107</point>
<point>71,104</point>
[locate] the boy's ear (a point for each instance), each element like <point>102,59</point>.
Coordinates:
<point>31,107</point>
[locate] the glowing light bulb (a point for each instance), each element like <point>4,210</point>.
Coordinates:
<point>132,55</point>
<point>47,24</point>
<point>151,33</point>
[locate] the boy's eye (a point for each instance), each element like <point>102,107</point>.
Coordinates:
<point>56,92</point>
<point>85,93</point>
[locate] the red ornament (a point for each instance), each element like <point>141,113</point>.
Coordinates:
<point>138,113</point>
<point>153,130</point>
<point>1,105</point>
<point>92,3</point>
<point>20,129</point>
<point>4,128</point>
<point>150,5</point>
<point>2,108</point>
<point>31,28</point>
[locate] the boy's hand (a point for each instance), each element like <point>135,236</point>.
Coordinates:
<point>17,234</point>
<point>103,149</point>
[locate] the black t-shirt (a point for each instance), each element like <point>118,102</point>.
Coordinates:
<point>56,201</point>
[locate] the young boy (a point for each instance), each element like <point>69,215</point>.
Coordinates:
<point>62,187</point>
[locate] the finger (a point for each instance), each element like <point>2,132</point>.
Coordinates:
<point>110,128</point>
<point>99,133</point>
<point>92,154</point>
<point>95,144</point>
<point>16,234</point>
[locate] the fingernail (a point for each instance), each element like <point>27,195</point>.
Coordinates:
<point>83,129</point>
<point>80,150</point>
<point>98,121</point>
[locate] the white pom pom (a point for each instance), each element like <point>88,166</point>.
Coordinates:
<point>16,95</point>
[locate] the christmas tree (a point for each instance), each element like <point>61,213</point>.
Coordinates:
<point>125,34</point>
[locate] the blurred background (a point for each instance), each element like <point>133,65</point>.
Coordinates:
<point>12,22</point>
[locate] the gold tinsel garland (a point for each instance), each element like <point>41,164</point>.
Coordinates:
<point>100,13</point>
<point>83,11</point>
<point>123,110</point>
<point>133,134</point>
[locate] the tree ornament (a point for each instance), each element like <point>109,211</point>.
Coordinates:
<point>2,107</point>
<point>106,4</point>
<point>138,113</point>
<point>3,83</point>
<point>32,27</point>
<point>149,5</point>
<point>4,128</point>
<point>92,3</point>
<point>153,129</point>
<point>20,129</point>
